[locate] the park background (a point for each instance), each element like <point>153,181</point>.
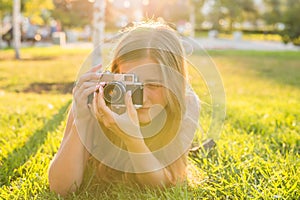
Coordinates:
<point>253,43</point>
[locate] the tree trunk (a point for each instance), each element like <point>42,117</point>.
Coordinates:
<point>98,30</point>
<point>16,28</point>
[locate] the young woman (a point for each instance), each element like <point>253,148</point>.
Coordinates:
<point>145,143</point>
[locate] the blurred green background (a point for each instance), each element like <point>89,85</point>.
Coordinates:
<point>257,155</point>
<point>257,19</point>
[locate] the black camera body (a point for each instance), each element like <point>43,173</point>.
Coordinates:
<point>115,87</point>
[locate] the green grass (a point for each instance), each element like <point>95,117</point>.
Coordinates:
<point>257,155</point>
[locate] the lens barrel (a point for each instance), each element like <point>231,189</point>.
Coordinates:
<point>114,92</point>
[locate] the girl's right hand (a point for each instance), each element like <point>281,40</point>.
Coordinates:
<point>85,86</point>
<point>125,126</point>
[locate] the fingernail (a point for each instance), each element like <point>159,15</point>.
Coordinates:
<point>100,89</point>
<point>96,89</point>
<point>129,93</point>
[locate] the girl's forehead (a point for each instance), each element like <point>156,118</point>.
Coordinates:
<point>145,69</point>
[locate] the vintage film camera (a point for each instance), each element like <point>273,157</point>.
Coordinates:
<point>115,87</point>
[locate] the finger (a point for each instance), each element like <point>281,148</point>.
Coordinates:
<point>98,106</point>
<point>96,97</point>
<point>87,92</point>
<point>95,102</point>
<point>101,103</point>
<point>96,110</point>
<point>96,68</point>
<point>86,89</point>
<point>80,95</point>
<point>88,77</point>
<point>86,85</point>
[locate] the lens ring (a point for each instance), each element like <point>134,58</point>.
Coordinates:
<point>113,92</point>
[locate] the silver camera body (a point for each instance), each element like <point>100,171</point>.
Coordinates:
<point>115,87</point>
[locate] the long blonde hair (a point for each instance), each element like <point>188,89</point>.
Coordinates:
<point>161,44</point>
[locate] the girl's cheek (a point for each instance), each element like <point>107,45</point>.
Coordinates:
<point>161,98</point>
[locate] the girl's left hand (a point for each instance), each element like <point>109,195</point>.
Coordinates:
<point>126,126</point>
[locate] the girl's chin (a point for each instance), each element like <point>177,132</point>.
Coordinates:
<point>146,115</point>
<point>144,120</point>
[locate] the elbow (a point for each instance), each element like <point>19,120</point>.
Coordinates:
<point>61,190</point>
<point>61,184</point>
<point>159,182</point>
<point>173,181</point>
<point>161,185</point>
<point>61,187</point>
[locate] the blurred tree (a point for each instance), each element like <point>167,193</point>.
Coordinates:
<point>225,13</point>
<point>5,7</point>
<point>231,10</point>
<point>38,10</point>
<point>215,15</point>
<point>111,15</point>
<point>80,12</point>
<point>196,17</point>
<point>172,10</point>
<point>274,10</point>
<point>73,13</point>
<point>249,11</point>
<point>284,12</point>
<point>291,20</point>
<point>177,11</point>
<point>98,30</point>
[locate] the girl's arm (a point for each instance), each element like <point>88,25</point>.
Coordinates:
<point>67,167</point>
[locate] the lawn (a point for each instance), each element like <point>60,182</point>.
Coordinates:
<point>257,155</point>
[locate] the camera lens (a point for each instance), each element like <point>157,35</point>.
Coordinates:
<point>114,92</point>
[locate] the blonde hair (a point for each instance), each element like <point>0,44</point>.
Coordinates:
<point>160,43</point>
